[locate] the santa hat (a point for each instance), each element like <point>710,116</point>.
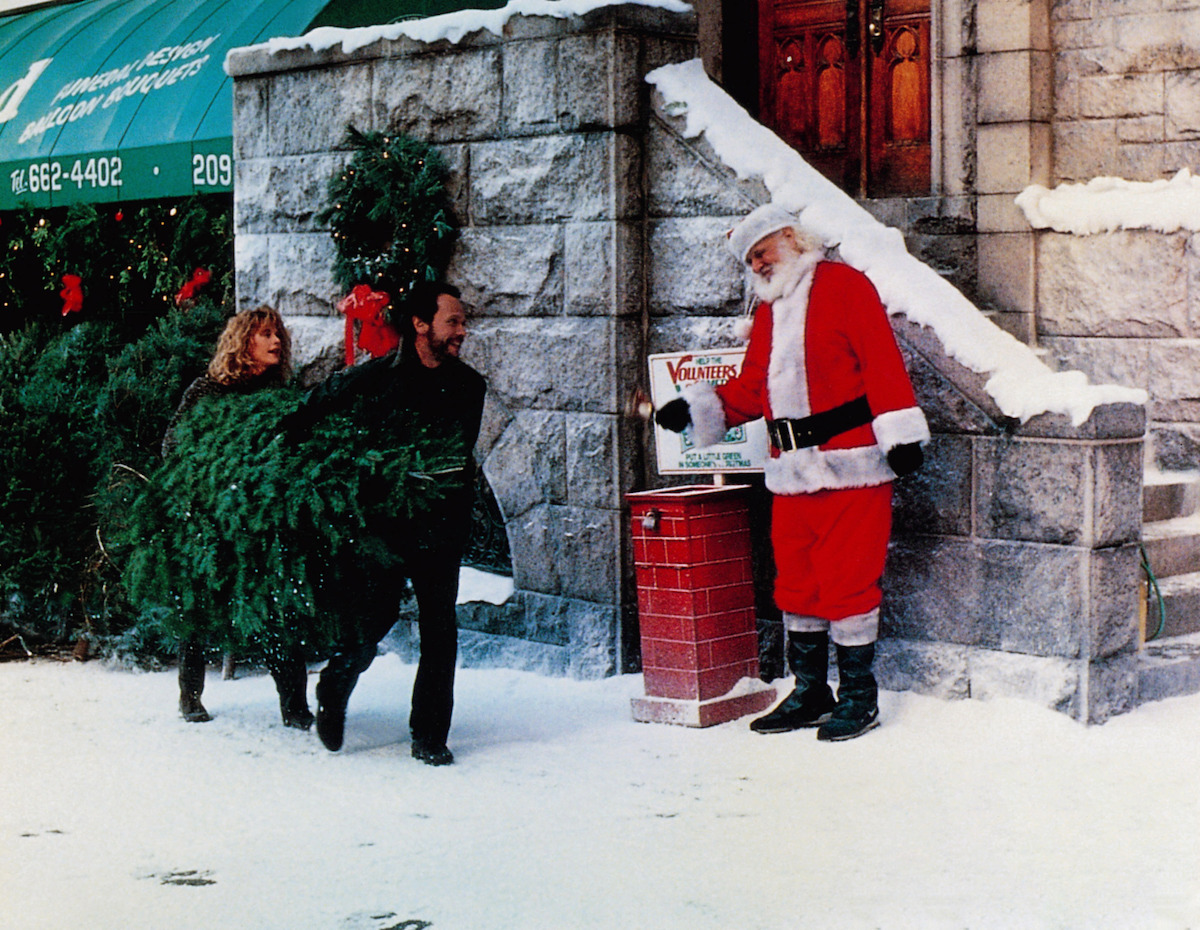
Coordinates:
<point>759,223</point>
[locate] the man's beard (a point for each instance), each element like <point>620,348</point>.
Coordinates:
<point>785,275</point>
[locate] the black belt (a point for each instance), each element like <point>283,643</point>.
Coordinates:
<point>818,429</point>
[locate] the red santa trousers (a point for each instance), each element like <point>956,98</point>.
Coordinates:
<point>830,549</point>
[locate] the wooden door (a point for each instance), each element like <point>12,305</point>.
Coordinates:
<point>846,82</point>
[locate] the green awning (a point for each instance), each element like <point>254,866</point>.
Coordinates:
<point>120,100</point>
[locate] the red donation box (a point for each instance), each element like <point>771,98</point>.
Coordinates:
<point>691,551</point>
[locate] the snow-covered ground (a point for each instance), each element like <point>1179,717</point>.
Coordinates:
<point>561,812</point>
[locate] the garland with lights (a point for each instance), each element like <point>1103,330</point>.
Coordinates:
<point>389,214</point>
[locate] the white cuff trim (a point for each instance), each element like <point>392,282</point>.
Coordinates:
<point>898,427</point>
<point>708,414</point>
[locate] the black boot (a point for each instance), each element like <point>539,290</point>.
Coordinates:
<point>857,709</point>
<point>333,694</point>
<point>291,681</point>
<point>191,683</point>
<point>811,700</point>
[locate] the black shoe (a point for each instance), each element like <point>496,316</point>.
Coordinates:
<point>797,711</point>
<point>857,710</point>
<point>431,754</point>
<point>302,720</point>
<point>331,713</point>
<point>192,710</point>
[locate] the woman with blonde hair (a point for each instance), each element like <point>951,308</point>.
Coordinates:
<point>254,352</point>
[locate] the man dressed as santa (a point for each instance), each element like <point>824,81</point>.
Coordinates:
<point>823,368</point>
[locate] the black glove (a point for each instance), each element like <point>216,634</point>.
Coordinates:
<point>906,458</point>
<point>674,415</point>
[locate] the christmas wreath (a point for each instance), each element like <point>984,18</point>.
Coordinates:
<point>389,214</point>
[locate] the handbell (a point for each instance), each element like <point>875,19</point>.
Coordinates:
<point>638,405</point>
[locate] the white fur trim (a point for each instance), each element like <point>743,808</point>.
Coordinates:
<point>800,623</point>
<point>787,371</point>
<point>708,414</point>
<point>742,327</point>
<point>898,427</point>
<point>858,630</point>
<point>803,471</point>
<point>758,224</point>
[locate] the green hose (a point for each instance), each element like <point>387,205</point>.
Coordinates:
<point>1162,607</point>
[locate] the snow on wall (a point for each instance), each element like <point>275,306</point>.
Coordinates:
<point>1020,383</point>
<point>453,26</point>
<point>1108,204</point>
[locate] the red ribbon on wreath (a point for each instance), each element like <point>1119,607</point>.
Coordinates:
<point>72,294</point>
<point>375,334</point>
<point>200,277</point>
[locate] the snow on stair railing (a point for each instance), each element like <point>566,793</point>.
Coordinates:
<point>1020,383</point>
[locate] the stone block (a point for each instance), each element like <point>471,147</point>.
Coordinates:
<point>1008,271</point>
<point>526,466</point>
<point>584,176</point>
<point>999,213</point>
<point>510,270</point>
<point>1081,34</point>
<point>1012,156</point>
<point>318,347</point>
<point>1141,129</point>
<point>1176,446</point>
<point>958,157</point>
<point>458,172</point>
<point>691,269</point>
<point>251,107</point>
<point>1034,598</point>
<point>1012,25</point>
<point>1105,361</point>
<point>548,364</point>
<point>1115,575</point>
<point>1106,96</point>
<point>937,498</point>
<point>590,554</point>
<point>602,269</point>
<point>1112,688</point>
<point>598,84</point>
<point>592,478</point>
<point>1129,283</point>
<point>936,669</point>
<point>1033,491</point>
<point>948,407</point>
<point>680,182</point>
<point>1182,90</point>
<point>675,334</point>
<point>593,632</point>
<point>301,274</point>
<point>1052,683</point>
<point>1117,505</point>
<point>933,590</point>
<point>531,536</point>
<point>1155,41</point>
<point>1083,149</point>
<point>530,87</point>
<point>448,97</point>
<point>1173,375</point>
<point>310,110</point>
<point>487,650</point>
<point>251,257</point>
<point>299,188</point>
<point>1015,86</point>
<point>252,197</point>
<point>1139,161</point>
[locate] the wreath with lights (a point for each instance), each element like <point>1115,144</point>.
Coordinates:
<point>389,214</point>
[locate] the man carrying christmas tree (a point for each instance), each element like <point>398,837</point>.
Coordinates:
<point>823,368</point>
<point>421,386</point>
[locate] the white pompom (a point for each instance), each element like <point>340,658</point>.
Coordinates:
<point>742,327</point>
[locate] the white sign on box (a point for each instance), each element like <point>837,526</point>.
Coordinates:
<point>744,448</point>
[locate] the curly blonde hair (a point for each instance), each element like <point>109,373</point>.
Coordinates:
<point>232,364</point>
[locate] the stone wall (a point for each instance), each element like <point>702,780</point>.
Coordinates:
<point>592,235</point>
<point>542,129</point>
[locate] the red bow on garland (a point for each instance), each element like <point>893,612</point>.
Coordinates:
<point>200,277</point>
<point>72,294</point>
<point>375,334</point>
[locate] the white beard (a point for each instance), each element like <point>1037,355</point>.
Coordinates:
<point>786,274</point>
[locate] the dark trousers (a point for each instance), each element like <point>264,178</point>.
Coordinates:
<point>371,606</point>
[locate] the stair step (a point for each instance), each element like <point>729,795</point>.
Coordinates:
<point>1173,546</point>
<point>1181,606</point>
<point>1169,668</point>
<point>1170,494</point>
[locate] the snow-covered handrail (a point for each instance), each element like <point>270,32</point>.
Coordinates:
<point>1108,204</point>
<point>1020,383</point>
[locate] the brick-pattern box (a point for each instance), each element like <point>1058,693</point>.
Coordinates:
<point>691,549</point>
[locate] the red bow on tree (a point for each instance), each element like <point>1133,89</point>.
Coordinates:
<point>72,294</point>
<point>375,334</point>
<point>200,277</point>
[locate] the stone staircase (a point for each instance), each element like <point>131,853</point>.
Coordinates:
<point>1169,663</point>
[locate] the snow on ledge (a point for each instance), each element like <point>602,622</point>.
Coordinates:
<point>1108,204</point>
<point>1020,383</point>
<point>452,27</point>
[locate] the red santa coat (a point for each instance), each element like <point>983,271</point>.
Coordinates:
<point>825,343</point>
